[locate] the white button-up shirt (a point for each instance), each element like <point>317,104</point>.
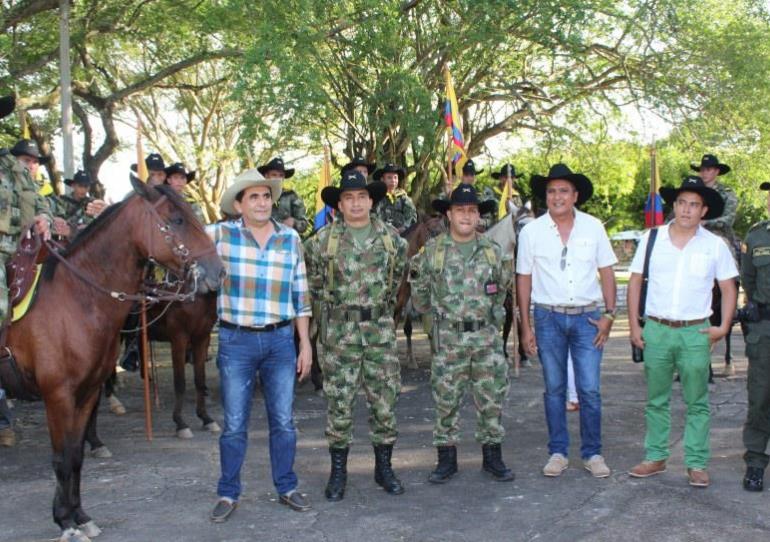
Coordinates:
<point>562,277</point>
<point>680,281</point>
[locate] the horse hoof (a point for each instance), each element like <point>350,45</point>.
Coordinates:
<point>73,535</point>
<point>212,427</point>
<point>102,452</point>
<point>90,529</point>
<point>116,407</point>
<point>185,433</point>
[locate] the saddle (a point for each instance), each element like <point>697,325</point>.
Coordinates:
<point>22,271</point>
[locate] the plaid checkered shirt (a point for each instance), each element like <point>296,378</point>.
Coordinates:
<point>263,285</point>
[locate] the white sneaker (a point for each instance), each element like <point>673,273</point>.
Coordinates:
<point>556,464</point>
<point>596,466</point>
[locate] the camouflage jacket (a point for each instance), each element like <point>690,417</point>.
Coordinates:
<point>19,202</point>
<point>397,210</point>
<point>460,290</point>
<point>349,278</point>
<point>723,225</point>
<point>290,204</point>
<point>74,211</point>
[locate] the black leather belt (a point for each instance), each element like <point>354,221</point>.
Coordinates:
<point>467,326</point>
<point>357,314</point>
<point>254,329</point>
<point>677,323</point>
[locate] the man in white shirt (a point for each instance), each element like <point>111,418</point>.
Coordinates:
<point>685,260</point>
<point>559,256</point>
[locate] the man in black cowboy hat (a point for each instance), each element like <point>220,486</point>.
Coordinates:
<point>177,177</point>
<point>709,169</point>
<point>75,209</point>
<point>359,164</point>
<point>461,278</point>
<point>677,336</point>
<point>156,169</point>
<point>289,209</point>
<point>755,276</point>
<point>396,208</point>
<point>24,206</point>
<point>355,266</point>
<point>28,154</point>
<point>507,174</point>
<point>560,256</point>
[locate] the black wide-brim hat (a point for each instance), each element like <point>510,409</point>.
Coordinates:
<point>27,147</point>
<point>692,183</point>
<point>710,160</point>
<point>154,162</point>
<point>469,168</point>
<point>276,164</point>
<point>353,180</point>
<point>582,184</point>
<point>764,186</point>
<point>81,177</point>
<point>507,171</point>
<point>7,105</point>
<point>178,167</point>
<point>359,161</point>
<point>464,194</point>
<point>389,168</point>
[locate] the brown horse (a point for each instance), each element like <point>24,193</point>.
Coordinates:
<point>65,347</point>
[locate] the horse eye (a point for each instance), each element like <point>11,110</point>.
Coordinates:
<point>177,221</point>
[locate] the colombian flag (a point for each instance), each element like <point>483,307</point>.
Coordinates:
<point>454,126</point>
<point>324,214</point>
<point>653,207</point>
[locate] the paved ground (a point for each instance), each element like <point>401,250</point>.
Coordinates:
<point>164,490</point>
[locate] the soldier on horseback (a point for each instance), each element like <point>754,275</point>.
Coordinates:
<point>396,208</point>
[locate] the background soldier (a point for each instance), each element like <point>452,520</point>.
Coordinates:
<point>20,206</point>
<point>494,193</point>
<point>396,208</point>
<point>289,209</point>
<point>354,268</point>
<point>156,169</point>
<point>177,178</point>
<point>360,165</point>
<point>461,278</point>
<point>74,206</point>
<point>755,275</point>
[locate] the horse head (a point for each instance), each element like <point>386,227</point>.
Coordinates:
<point>173,237</point>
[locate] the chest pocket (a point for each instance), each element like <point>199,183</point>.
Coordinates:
<point>584,249</point>
<point>6,200</point>
<point>698,264</point>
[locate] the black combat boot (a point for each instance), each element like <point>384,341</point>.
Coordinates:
<point>335,488</point>
<point>383,471</point>
<point>754,479</point>
<point>493,463</point>
<point>446,467</point>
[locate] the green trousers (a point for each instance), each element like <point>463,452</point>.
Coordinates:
<point>756,430</point>
<point>685,351</point>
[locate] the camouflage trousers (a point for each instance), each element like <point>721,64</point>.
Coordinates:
<point>3,287</point>
<point>346,369</point>
<point>485,370</point>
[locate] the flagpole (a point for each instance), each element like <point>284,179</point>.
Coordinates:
<point>66,88</point>
<point>450,172</point>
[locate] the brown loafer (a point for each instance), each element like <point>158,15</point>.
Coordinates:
<point>647,468</point>
<point>698,477</point>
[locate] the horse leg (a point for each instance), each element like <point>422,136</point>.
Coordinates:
<point>116,407</point>
<point>98,449</point>
<point>67,423</point>
<point>200,348</point>
<point>408,330</point>
<point>178,354</point>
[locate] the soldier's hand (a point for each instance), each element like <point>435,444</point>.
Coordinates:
<point>95,208</point>
<point>61,227</point>
<point>42,226</point>
<point>304,360</point>
<point>528,341</point>
<point>603,326</point>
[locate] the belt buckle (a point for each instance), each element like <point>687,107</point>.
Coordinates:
<point>366,314</point>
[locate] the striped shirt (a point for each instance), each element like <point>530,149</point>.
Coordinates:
<point>263,285</point>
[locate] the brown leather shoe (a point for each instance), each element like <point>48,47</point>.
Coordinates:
<point>7,437</point>
<point>648,468</point>
<point>698,477</point>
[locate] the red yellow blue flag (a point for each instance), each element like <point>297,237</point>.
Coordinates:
<point>454,126</point>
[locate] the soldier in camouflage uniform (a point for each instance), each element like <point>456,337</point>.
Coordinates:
<point>354,268</point>
<point>177,178</point>
<point>507,172</point>
<point>461,278</point>
<point>74,206</point>
<point>20,206</point>
<point>396,208</point>
<point>470,172</point>
<point>156,169</point>
<point>289,209</point>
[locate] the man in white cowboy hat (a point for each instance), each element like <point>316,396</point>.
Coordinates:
<point>560,256</point>
<point>289,209</point>
<point>177,177</point>
<point>355,266</point>
<point>24,206</point>
<point>263,298</point>
<point>684,261</point>
<point>396,208</point>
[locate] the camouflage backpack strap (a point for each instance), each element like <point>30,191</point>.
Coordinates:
<point>439,256</point>
<point>390,248</point>
<point>332,245</point>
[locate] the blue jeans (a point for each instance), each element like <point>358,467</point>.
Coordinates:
<point>241,355</point>
<point>6,417</point>
<point>557,334</point>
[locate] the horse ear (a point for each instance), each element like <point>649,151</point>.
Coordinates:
<point>143,189</point>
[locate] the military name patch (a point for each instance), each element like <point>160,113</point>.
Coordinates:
<point>490,288</point>
<point>761,251</point>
